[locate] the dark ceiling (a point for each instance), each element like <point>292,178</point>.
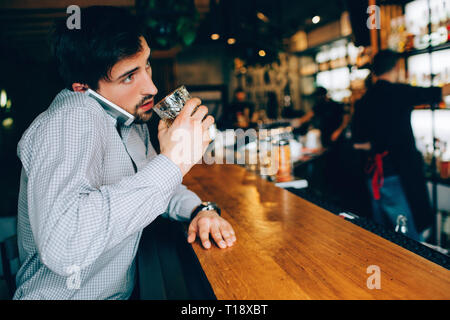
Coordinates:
<point>238,18</point>
<point>24,24</point>
<point>281,19</point>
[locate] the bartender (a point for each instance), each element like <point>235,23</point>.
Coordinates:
<point>241,112</point>
<point>331,119</point>
<point>395,168</point>
<point>327,115</point>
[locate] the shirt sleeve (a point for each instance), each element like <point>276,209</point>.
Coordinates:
<point>182,203</point>
<point>415,96</point>
<point>75,217</point>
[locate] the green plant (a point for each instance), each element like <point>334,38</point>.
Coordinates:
<point>169,23</point>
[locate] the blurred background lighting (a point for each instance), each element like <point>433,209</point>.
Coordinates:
<point>3,98</point>
<point>7,123</point>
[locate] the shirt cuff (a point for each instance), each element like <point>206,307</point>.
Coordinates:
<point>189,204</point>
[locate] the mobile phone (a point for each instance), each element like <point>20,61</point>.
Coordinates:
<point>112,109</point>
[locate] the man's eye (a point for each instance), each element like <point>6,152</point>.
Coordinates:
<point>148,64</point>
<point>128,79</point>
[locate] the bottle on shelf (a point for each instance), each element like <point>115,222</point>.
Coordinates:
<point>444,164</point>
<point>284,172</point>
<point>401,31</point>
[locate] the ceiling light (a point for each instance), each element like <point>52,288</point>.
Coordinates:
<point>215,36</point>
<point>261,16</point>
<point>262,53</point>
<point>315,19</point>
<point>231,41</point>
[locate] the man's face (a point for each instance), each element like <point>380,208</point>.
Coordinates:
<point>130,85</point>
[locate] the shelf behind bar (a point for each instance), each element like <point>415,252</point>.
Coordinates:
<point>443,46</point>
<point>429,108</point>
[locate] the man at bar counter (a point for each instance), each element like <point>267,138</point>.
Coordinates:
<point>90,184</point>
<point>382,126</point>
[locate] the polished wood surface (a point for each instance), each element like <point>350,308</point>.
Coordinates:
<point>289,248</point>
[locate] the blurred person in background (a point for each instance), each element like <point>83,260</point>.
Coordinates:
<point>331,119</point>
<point>327,115</point>
<point>240,113</point>
<point>395,168</point>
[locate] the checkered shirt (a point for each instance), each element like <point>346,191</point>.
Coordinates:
<point>82,207</point>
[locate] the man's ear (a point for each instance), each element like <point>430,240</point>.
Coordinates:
<point>79,87</point>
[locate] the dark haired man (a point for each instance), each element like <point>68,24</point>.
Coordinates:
<point>382,125</point>
<point>90,184</point>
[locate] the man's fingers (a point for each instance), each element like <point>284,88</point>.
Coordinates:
<point>204,227</point>
<point>217,235</point>
<point>189,107</point>
<point>192,232</point>
<point>208,122</point>
<point>200,113</point>
<point>208,133</point>
<point>191,236</point>
<point>228,233</point>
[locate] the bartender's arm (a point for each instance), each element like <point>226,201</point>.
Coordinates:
<point>299,121</point>
<point>446,90</point>
<point>418,95</point>
<point>345,121</point>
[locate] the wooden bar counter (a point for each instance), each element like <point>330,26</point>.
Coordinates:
<point>288,248</point>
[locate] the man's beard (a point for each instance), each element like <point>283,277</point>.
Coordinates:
<point>143,117</point>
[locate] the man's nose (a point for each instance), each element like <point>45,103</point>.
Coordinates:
<point>148,87</point>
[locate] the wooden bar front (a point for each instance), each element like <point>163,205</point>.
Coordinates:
<point>288,248</point>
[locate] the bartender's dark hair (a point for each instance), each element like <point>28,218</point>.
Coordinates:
<point>87,55</point>
<point>320,92</point>
<point>384,61</point>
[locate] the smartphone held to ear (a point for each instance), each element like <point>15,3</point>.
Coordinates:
<point>111,108</point>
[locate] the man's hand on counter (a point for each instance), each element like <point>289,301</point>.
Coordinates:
<point>210,223</point>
